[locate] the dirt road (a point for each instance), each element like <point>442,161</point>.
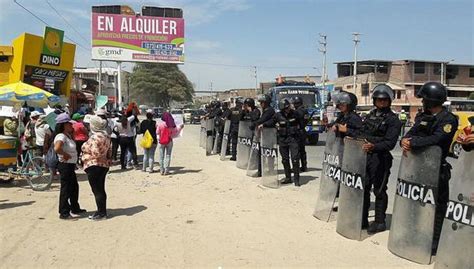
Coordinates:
<point>207,214</point>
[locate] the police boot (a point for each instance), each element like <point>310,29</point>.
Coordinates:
<point>296,171</point>
<point>287,179</point>
<point>376,227</point>
<point>304,166</point>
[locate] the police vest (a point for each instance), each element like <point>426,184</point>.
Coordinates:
<point>235,115</point>
<point>287,126</point>
<point>426,125</point>
<point>376,125</point>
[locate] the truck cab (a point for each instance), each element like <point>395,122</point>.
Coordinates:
<point>311,97</point>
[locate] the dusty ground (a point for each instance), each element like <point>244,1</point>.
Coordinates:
<point>207,214</point>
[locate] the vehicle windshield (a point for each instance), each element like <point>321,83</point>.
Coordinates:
<point>464,106</point>
<point>310,99</point>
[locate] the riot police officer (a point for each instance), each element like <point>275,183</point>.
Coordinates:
<point>250,111</point>
<point>302,114</point>
<point>234,117</point>
<point>216,114</point>
<point>267,111</point>
<point>435,126</point>
<point>225,115</point>
<point>347,122</point>
<point>288,127</point>
<point>380,129</point>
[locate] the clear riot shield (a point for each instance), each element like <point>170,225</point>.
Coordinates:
<point>254,157</point>
<point>457,235</point>
<point>329,183</point>
<point>244,144</point>
<point>351,193</point>
<point>203,138</point>
<point>225,139</point>
<point>209,136</point>
<point>411,231</point>
<point>269,158</point>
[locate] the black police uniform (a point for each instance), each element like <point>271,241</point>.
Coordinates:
<point>303,117</point>
<point>439,130</point>
<point>288,133</point>
<point>380,127</point>
<point>226,112</point>
<point>234,117</point>
<point>353,122</point>
<point>216,114</point>
<point>267,115</point>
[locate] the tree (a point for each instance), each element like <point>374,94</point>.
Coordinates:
<point>471,96</point>
<point>159,84</point>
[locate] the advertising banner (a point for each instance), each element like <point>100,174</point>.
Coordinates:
<point>52,46</point>
<point>117,37</point>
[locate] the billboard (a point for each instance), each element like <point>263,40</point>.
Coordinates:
<point>127,38</point>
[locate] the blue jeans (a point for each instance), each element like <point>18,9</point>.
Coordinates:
<point>165,157</point>
<point>149,157</point>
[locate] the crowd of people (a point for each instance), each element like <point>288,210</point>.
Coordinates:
<point>90,140</point>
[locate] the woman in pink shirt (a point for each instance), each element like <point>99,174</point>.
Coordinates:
<point>167,130</point>
<point>81,133</point>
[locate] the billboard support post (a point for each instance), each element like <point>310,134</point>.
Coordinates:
<point>119,84</point>
<point>100,77</point>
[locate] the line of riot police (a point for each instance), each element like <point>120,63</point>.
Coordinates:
<point>357,163</point>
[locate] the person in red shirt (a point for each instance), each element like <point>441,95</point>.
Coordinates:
<point>81,133</point>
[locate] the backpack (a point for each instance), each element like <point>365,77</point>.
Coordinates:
<point>51,158</point>
<point>165,136</point>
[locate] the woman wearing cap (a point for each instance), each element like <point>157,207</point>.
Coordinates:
<point>149,154</point>
<point>96,158</point>
<point>65,147</point>
<point>41,129</point>
<point>167,130</point>
<point>81,133</point>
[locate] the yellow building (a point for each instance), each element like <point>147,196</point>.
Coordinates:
<point>22,62</point>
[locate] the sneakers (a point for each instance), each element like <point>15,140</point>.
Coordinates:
<point>97,217</point>
<point>376,227</point>
<point>67,217</point>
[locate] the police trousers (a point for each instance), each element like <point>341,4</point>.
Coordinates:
<point>289,145</point>
<point>378,173</point>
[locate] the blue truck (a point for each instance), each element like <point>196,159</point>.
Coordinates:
<point>311,96</point>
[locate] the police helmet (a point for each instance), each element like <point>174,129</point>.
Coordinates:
<point>239,101</point>
<point>382,91</point>
<point>297,101</point>
<point>218,104</point>
<point>265,98</point>
<point>433,92</point>
<point>283,104</point>
<point>250,102</point>
<point>347,98</point>
<point>213,103</point>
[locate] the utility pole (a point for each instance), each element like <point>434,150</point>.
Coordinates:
<point>356,42</point>
<point>100,77</point>
<point>255,74</point>
<point>323,43</point>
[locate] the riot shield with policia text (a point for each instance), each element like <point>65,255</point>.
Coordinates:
<point>209,136</point>
<point>225,139</point>
<point>203,137</point>
<point>244,144</point>
<point>455,249</point>
<point>330,176</point>
<point>269,157</point>
<point>351,193</point>
<point>413,217</point>
<point>254,157</point>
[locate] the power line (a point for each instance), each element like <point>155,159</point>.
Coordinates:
<point>64,19</point>
<point>250,66</point>
<point>38,18</point>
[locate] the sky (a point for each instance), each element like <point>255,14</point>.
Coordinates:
<point>226,39</point>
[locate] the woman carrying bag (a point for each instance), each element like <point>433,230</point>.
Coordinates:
<point>148,125</point>
<point>167,130</point>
